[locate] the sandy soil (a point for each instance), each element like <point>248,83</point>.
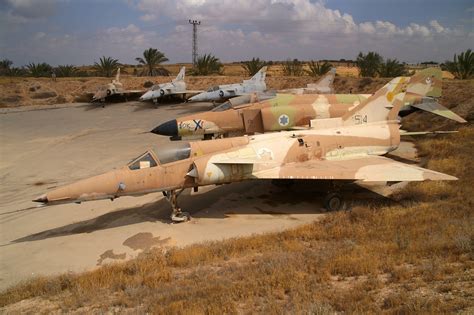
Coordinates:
<point>47,146</point>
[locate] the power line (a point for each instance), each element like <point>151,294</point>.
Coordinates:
<point>195,23</point>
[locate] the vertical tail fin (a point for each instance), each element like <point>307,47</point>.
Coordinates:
<point>326,82</point>
<point>385,104</point>
<point>260,75</point>
<point>180,76</point>
<point>117,76</point>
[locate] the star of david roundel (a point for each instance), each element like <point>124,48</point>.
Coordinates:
<point>283,120</point>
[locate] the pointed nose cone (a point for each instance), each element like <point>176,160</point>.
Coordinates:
<point>169,128</point>
<point>147,96</point>
<point>43,199</point>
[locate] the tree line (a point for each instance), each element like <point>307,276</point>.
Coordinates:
<point>370,64</point>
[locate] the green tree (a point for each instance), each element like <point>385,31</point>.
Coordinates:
<point>462,66</point>
<point>317,69</point>
<point>39,69</point>
<point>106,66</point>
<point>391,68</point>
<point>252,66</point>
<point>5,65</point>
<point>207,64</point>
<point>293,67</point>
<point>152,57</point>
<point>66,71</point>
<point>368,64</point>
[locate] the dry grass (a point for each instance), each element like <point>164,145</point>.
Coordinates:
<point>414,255</point>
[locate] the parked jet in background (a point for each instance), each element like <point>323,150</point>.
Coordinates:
<point>288,111</point>
<point>114,89</point>
<point>173,88</point>
<point>339,150</point>
<point>323,86</point>
<point>221,93</point>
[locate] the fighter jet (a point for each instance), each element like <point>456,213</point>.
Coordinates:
<point>114,89</point>
<point>323,86</point>
<point>350,148</point>
<point>173,88</point>
<point>220,93</point>
<point>286,112</point>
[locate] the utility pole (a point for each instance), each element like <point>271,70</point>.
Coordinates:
<point>195,23</point>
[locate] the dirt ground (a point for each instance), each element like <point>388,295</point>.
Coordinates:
<point>47,146</point>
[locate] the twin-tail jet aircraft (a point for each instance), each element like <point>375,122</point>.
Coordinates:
<point>349,148</point>
<point>286,112</point>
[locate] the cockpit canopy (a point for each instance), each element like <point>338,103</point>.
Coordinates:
<point>161,155</point>
<point>214,88</point>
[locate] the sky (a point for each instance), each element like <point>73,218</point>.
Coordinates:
<point>79,32</point>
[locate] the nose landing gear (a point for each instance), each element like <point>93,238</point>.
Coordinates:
<point>177,215</point>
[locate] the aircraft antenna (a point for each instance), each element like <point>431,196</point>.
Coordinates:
<point>195,24</point>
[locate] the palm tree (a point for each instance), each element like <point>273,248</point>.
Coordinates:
<point>5,65</point>
<point>39,69</point>
<point>462,66</point>
<point>391,68</point>
<point>317,69</point>
<point>368,64</point>
<point>66,71</point>
<point>252,66</point>
<point>106,66</point>
<point>151,58</point>
<point>207,64</point>
<point>293,67</point>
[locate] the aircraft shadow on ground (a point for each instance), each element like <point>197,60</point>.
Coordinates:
<point>238,197</point>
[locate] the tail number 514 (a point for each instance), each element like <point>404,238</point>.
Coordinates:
<point>360,119</point>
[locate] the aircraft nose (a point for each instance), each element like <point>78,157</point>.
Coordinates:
<point>43,199</point>
<point>169,128</point>
<point>146,96</point>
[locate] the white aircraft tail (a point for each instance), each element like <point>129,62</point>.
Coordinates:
<point>260,75</point>
<point>386,103</point>
<point>180,76</point>
<point>117,76</point>
<point>326,82</point>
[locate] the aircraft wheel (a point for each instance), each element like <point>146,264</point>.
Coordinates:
<point>180,217</point>
<point>333,202</point>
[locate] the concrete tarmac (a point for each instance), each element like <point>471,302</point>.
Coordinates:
<point>48,146</point>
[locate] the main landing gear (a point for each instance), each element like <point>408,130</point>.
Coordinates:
<point>176,215</point>
<point>334,200</point>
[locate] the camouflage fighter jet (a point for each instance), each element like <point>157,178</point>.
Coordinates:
<point>285,112</point>
<point>220,93</point>
<point>114,89</point>
<point>323,86</point>
<point>340,150</point>
<point>173,88</point>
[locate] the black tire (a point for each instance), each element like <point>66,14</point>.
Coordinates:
<point>109,92</point>
<point>221,93</point>
<point>333,202</point>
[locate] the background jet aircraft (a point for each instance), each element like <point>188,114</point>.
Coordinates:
<point>175,87</point>
<point>286,112</point>
<point>323,86</point>
<point>221,93</point>
<point>345,149</point>
<point>114,89</point>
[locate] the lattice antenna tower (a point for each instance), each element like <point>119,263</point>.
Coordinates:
<point>195,24</point>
